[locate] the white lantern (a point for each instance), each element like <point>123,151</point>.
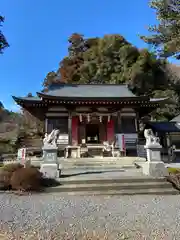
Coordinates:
<point>109,117</point>
<point>88,118</point>
<point>100,118</point>
<point>80,117</point>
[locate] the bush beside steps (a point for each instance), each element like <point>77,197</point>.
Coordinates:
<point>174,177</point>
<point>25,179</point>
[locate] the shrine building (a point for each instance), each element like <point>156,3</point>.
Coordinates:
<point>93,113</point>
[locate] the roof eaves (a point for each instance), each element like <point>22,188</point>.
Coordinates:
<point>26,99</point>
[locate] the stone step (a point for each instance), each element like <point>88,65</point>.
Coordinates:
<point>122,180</point>
<point>157,191</point>
<point>114,186</point>
<point>98,167</point>
<point>95,163</point>
<point>86,164</point>
<point>121,160</point>
<point>98,162</point>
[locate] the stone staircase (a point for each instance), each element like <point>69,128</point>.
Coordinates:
<point>132,185</point>
<point>107,176</point>
<point>106,162</point>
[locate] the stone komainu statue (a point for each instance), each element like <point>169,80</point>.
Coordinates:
<point>150,137</point>
<point>51,139</point>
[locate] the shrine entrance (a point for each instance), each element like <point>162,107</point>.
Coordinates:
<point>92,133</point>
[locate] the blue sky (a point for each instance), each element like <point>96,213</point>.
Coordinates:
<point>37,31</point>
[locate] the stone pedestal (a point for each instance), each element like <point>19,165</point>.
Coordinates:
<point>154,169</point>
<point>50,166</point>
<point>50,170</point>
<point>154,166</point>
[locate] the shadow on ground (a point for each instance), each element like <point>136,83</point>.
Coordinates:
<point>89,172</point>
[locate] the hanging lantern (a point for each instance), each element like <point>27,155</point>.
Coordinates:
<point>109,118</point>
<point>88,118</point>
<point>100,118</point>
<point>80,117</point>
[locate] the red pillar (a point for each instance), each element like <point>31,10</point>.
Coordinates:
<point>110,131</point>
<point>74,130</point>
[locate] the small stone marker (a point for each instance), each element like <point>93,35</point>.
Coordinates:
<point>50,166</point>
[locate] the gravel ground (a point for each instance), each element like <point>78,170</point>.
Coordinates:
<point>59,216</point>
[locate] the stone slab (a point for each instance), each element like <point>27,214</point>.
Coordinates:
<point>50,170</point>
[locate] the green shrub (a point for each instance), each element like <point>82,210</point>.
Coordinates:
<point>26,179</point>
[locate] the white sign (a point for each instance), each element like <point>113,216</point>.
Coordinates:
<point>63,139</point>
<point>21,156</point>
<point>120,139</point>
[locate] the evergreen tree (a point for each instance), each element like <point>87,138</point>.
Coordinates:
<point>165,38</point>
<point>3,42</point>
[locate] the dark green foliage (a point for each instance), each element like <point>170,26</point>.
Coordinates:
<point>165,38</point>
<point>110,59</point>
<point>168,111</point>
<point>3,42</point>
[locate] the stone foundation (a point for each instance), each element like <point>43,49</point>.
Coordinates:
<point>50,170</point>
<point>154,169</point>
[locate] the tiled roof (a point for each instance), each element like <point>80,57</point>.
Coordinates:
<point>90,90</point>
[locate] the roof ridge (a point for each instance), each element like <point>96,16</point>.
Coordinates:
<point>91,84</point>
